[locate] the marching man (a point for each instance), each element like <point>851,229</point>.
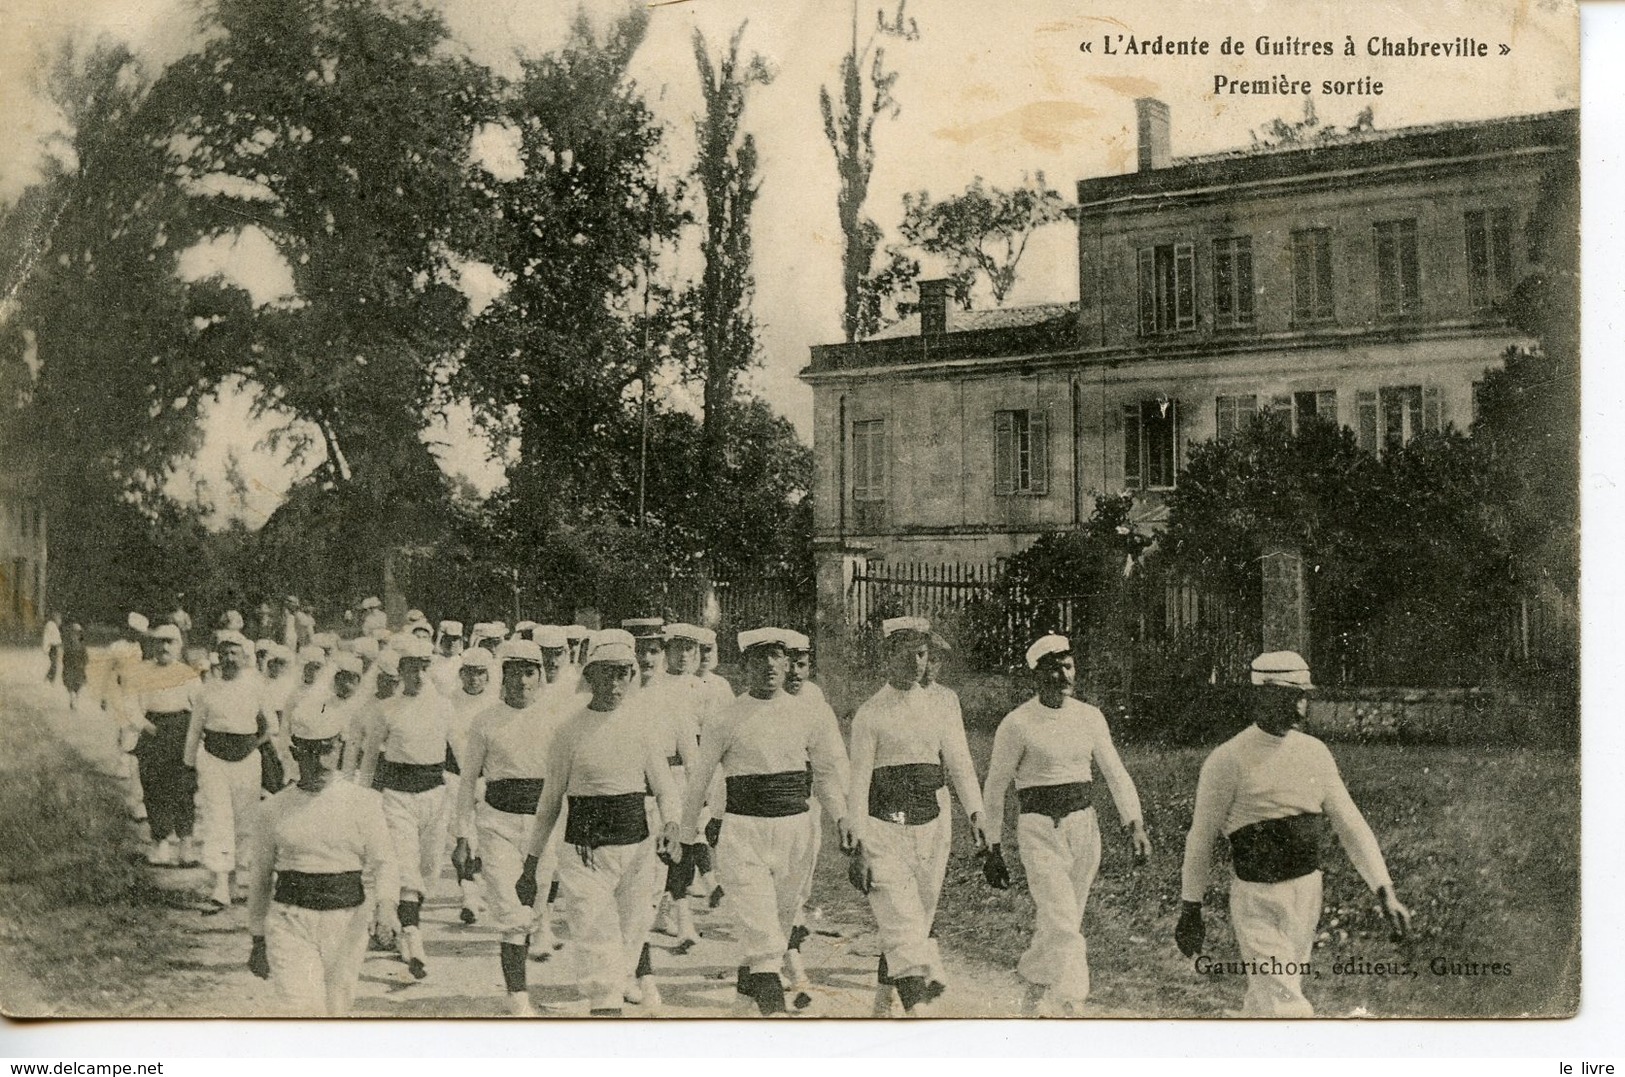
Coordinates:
<point>798,682</point>
<point>903,740</point>
<point>325,844</point>
<point>222,745</point>
<point>1049,747</point>
<point>602,764</point>
<point>468,697</point>
<point>774,751</point>
<point>508,746</point>
<point>1264,789</point>
<point>406,752</point>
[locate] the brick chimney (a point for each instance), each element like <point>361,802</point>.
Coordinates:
<point>934,307</point>
<point>1156,150</point>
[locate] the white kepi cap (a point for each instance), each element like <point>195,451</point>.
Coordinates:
<point>757,637</point>
<point>550,637</point>
<point>316,723</point>
<point>476,658</point>
<point>519,650</point>
<point>610,645</point>
<point>893,625</point>
<point>1284,668</point>
<point>1044,646</point>
<point>137,622</point>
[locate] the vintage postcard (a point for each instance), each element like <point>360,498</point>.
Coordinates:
<point>708,509</point>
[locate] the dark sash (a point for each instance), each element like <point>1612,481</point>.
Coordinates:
<point>674,760</point>
<point>409,777</point>
<point>516,796</point>
<point>769,796</point>
<point>1056,801</point>
<point>1277,850</point>
<point>230,747</point>
<point>320,890</point>
<point>170,736</point>
<point>606,820</point>
<point>905,793</point>
<point>451,766</point>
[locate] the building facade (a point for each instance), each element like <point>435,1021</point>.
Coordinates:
<point>1361,278</point>
<point>22,559</point>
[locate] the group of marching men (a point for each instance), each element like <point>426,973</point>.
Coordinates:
<point>606,771</point>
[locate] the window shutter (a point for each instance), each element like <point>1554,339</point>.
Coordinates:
<point>1432,409</point>
<point>1184,286</point>
<point>1281,403</point>
<point>1178,455</point>
<point>1038,433</point>
<point>1111,456</point>
<point>1132,479</point>
<point>1004,453</point>
<point>1326,405</point>
<point>1148,291</point>
<point>1224,417</point>
<point>1365,404</point>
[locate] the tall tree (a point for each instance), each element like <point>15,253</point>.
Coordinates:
<point>726,171</point>
<point>865,95</point>
<point>984,230</point>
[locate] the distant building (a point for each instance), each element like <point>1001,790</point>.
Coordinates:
<point>1361,277</point>
<point>22,558</point>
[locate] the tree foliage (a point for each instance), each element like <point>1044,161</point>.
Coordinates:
<point>849,122</point>
<point>984,230</point>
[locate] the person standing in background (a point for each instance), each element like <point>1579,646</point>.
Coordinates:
<point>51,643</point>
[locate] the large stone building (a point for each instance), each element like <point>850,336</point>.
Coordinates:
<point>22,559</point>
<point>1361,277</point>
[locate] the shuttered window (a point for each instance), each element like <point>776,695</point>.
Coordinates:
<point>1398,275</point>
<point>1489,257</point>
<point>1312,276</point>
<point>1167,276</point>
<point>1020,452</point>
<point>869,460</point>
<point>1233,282</point>
<point>1391,416</point>
<point>1233,414</point>
<point>1151,444</point>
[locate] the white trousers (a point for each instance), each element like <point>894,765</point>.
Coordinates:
<point>1275,926</point>
<point>417,829</point>
<point>227,795</point>
<point>809,862</point>
<point>504,840</point>
<point>316,957</point>
<point>612,908</point>
<point>1061,862</point>
<point>760,863</point>
<point>909,864</point>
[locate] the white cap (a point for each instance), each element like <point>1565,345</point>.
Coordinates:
<point>327,641</point>
<point>363,645</point>
<point>261,646</point>
<point>572,632</point>
<point>475,658</point>
<point>235,639</point>
<point>1284,668</point>
<point>499,629</point>
<point>316,723</point>
<point>312,656</point>
<point>167,632</point>
<point>610,645</point>
<point>797,642</point>
<point>519,650</point>
<point>347,663</point>
<point>137,622</point>
<point>893,625</point>
<point>277,652</point>
<point>644,626</point>
<point>1044,646</point>
<point>451,628</point>
<point>234,621</point>
<point>681,630</point>
<point>524,626</point>
<point>757,637</point>
<point>485,630</point>
<point>409,646</point>
<point>389,662</point>
<point>707,637</point>
<point>416,617</point>
<point>371,603</point>
<point>551,637</point>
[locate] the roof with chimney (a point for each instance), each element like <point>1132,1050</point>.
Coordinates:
<point>972,320</point>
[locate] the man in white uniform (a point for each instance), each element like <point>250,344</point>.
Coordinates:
<point>1265,790</point>
<point>444,671</point>
<point>1049,747</point>
<point>603,764</point>
<point>222,745</point>
<point>798,682</point>
<point>775,751</point>
<point>469,695</point>
<point>904,742</point>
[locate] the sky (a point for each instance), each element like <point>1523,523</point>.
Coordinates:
<point>996,95</point>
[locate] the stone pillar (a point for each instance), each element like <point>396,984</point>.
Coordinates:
<point>836,560</point>
<point>1286,602</point>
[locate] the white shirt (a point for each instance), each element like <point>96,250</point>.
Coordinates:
<point>1255,776</point>
<point>1039,745</point>
<point>602,753</point>
<point>505,742</point>
<point>895,727</point>
<point>340,828</point>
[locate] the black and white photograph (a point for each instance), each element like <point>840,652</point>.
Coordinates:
<point>833,509</point>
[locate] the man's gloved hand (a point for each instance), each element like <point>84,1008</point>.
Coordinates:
<point>1189,934</point>
<point>713,831</point>
<point>525,888</point>
<point>994,869</point>
<point>259,962</point>
<point>859,871</point>
<point>459,860</point>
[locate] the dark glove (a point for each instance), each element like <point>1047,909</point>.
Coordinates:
<point>525,888</point>
<point>681,875</point>
<point>859,872</point>
<point>259,962</point>
<point>713,831</point>
<point>459,860</point>
<point>994,869</point>
<point>1190,934</point>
